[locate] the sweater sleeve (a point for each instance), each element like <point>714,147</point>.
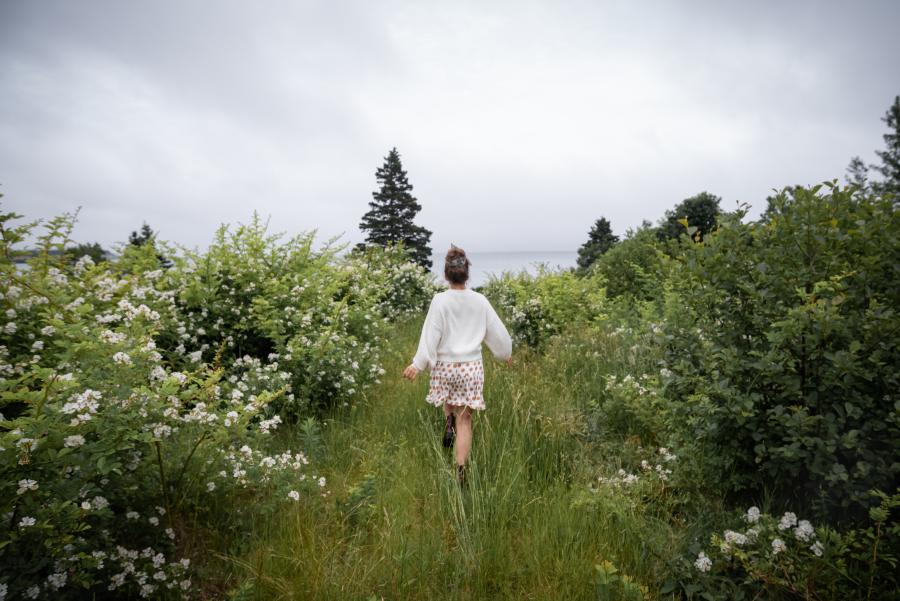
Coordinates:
<point>426,354</point>
<point>496,336</point>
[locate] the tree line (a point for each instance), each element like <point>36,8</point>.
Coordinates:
<point>390,219</point>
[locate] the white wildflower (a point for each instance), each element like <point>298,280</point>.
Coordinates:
<point>787,520</point>
<point>27,521</point>
<point>817,548</point>
<point>111,337</point>
<point>26,485</point>
<point>74,441</point>
<point>752,515</point>
<point>122,358</point>
<point>294,495</point>
<point>804,531</point>
<point>778,546</point>
<point>703,563</point>
<point>57,581</point>
<point>736,538</point>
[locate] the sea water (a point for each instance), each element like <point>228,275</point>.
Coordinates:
<point>484,264</point>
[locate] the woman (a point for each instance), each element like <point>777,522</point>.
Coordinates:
<point>458,321</point>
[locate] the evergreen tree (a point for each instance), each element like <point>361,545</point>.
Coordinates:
<point>139,239</point>
<point>858,173</point>
<point>701,211</point>
<point>148,236</point>
<point>890,157</point>
<point>93,250</point>
<point>600,240</point>
<point>390,218</point>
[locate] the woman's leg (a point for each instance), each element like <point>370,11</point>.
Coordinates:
<point>463,433</point>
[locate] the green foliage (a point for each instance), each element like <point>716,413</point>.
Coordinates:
<point>390,218</point>
<point>107,450</point>
<point>136,403</point>
<point>319,316</point>
<point>600,240</point>
<point>147,237</point>
<point>635,267</point>
<point>858,173</point>
<point>778,346</point>
<point>537,307</point>
<point>890,156</point>
<point>94,251</point>
<point>790,558</point>
<point>700,211</point>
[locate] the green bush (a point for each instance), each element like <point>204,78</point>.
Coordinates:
<point>635,267</point>
<point>136,403</point>
<point>319,315</point>
<point>782,341</point>
<point>790,558</point>
<point>538,307</point>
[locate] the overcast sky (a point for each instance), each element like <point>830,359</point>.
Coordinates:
<point>519,123</point>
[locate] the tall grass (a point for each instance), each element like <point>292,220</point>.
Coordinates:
<point>397,526</point>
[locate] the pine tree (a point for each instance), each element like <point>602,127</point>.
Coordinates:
<point>139,239</point>
<point>390,218</point>
<point>858,173</point>
<point>890,157</point>
<point>600,240</point>
<point>148,236</point>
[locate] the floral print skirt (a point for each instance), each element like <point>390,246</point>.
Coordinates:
<point>457,383</point>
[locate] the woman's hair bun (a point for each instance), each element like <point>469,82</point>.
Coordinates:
<point>456,265</point>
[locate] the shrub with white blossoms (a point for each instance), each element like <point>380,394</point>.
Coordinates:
<point>787,555</point>
<point>540,306</point>
<point>318,316</point>
<point>116,436</point>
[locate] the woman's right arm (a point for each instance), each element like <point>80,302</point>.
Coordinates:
<point>426,354</point>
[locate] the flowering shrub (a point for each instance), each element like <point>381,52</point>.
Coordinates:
<point>322,316</point>
<point>630,405</point>
<point>135,402</point>
<point>789,556</point>
<point>537,307</point>
<point>403,287</point>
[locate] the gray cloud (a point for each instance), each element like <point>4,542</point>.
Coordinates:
<point>519,123</point>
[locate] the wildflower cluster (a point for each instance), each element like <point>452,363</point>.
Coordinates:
<point>135,398</point>
<point>785,551</point>
<point>538,307</point>
<point>655,471</point>
<point>322,315</point>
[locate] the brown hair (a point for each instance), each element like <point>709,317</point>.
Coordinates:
<point>456,265</point>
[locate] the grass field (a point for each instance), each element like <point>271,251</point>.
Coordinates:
<point>399,527</point>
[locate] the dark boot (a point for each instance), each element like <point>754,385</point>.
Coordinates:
<point>450,431</point>
<point>461,476</point>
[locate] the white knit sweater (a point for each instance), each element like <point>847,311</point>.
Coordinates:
<point>458,321</point>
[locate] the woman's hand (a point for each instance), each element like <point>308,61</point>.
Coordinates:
<point>410,373</point>
<point>509,361</point>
